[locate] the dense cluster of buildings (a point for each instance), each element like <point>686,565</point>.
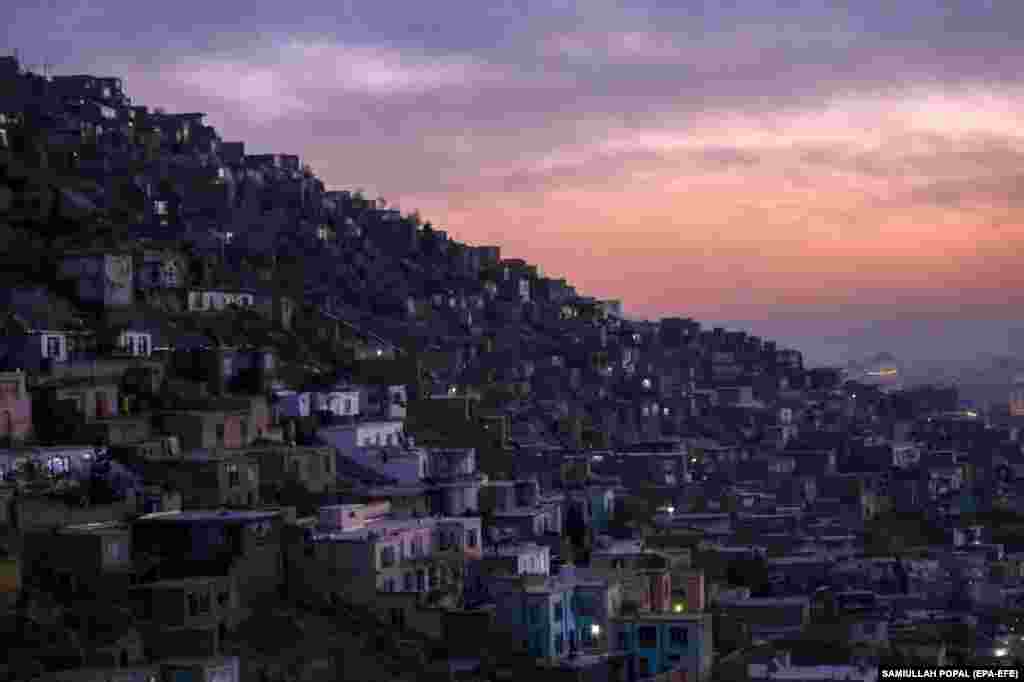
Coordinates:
<point>231,394</point>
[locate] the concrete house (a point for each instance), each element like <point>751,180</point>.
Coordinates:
<point>210,425</point>
<point>210,479</point>
<point>38,345</point>
<point>103,277</point>
<point>212,300</point>
<point>663,643</point>
<point>244,545</point>
<point>188,617</point>
<point>93,559</point>
<point>362,550</point>
<point>454,479</point>
<point>15,407</point>
<point>161,269</point>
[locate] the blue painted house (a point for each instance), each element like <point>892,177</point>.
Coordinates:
<point>660,643</point>
<point>556,616</point>
<point>539,610</point>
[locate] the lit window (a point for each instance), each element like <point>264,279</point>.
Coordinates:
<point>233,476</point>
<point>160,207</point>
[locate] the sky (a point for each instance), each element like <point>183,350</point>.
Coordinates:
<point>844,176</point>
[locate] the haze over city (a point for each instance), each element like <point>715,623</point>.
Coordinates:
<point>803,171</point>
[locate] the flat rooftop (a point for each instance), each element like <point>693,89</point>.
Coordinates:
<point>98,528</point>
<point>211,515</point>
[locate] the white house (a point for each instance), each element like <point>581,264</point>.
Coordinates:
<point>530,558</point>
<point>341,401</point>
<point>137,343</point>
<point>348,438</point>
<point>202,300</point>
<point>380,446</point>
<point>291,404</point>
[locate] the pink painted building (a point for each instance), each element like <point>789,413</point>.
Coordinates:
<point>360,550</point>
<point>15,406</point>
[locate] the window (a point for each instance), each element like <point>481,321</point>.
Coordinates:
<point>534,614</point>
<point>102,405</point>
<point>387,556</point>
<point>198,603</point>
<point>327,464</point>
<point>647,637</point>
<point>677,636</point>
<point>234,480</point>
<point>624,640</point>
<point>220,434</point>
<point>245,431</point>
<point>53,347</point>
<point>559,612</point>
<point>348,406</point>
<point>223,599</point>
<point>171,274</point>
<point>559,644</point>
<point>115,550</point>
<point>410,582</point>
<point>471,538</point>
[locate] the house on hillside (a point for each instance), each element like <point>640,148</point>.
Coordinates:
<point>161,269</point>
<point>15,406</point>
<point>242,545</point>
<point>101,276</point>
